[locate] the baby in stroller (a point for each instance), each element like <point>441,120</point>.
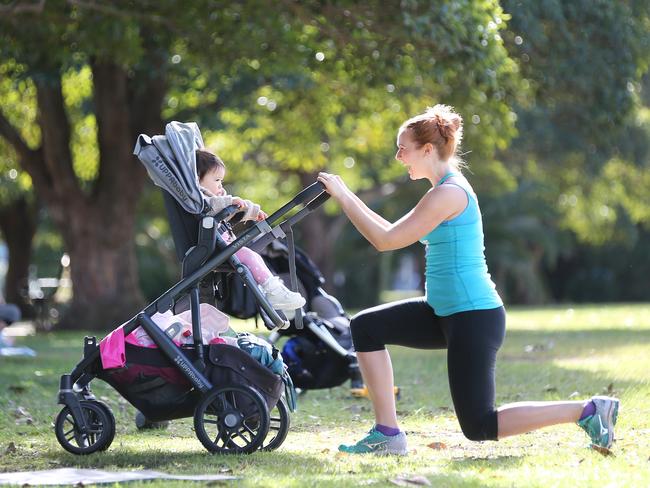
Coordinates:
<point>234,394</point>
<point>211,171</point>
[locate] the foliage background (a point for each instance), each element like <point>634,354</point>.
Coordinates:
<point>554,95</point>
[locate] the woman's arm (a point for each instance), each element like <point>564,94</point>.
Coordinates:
<point>435,206</point>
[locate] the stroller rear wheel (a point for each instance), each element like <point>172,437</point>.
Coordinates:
<point>232,419</point>
<point>278,427</point>
<point>100,429</point>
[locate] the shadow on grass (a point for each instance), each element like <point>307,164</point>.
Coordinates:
<point>328,471</point>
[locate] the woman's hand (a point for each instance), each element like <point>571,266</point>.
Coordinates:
<point>334,184</point>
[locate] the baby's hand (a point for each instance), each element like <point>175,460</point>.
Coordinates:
<point>239,202</point>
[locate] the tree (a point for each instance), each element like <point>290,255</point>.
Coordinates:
<point>580,158</point>
<point>94,211</point>
<point>101,74</point>
<point>366,69</point>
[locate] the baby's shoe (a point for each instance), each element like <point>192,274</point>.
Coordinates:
<point>279,296</point>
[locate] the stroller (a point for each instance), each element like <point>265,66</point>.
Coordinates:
<point>236,402</point>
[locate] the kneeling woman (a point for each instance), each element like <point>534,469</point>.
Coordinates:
<point>461,311</point>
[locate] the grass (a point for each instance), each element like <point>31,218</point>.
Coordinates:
<point>550,354</point>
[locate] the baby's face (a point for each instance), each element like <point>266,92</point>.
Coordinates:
<point>213,181</point>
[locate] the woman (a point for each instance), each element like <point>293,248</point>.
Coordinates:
<point>461,311</point>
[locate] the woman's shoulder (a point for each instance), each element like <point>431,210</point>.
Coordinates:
<point>451,197</point>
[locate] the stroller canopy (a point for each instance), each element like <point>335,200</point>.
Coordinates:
<point>171,163</point>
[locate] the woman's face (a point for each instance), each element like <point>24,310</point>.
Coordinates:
<point>213,181</point>
<point>411,156</point>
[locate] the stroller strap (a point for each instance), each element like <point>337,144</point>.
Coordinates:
<point>292,273</point>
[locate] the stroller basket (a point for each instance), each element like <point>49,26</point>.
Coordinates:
<point>155,386</point>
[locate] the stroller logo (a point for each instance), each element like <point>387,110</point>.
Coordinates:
<point>169,177</point>
<point>194,378</point>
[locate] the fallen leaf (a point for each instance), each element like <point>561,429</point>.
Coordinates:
<point>602,450</point>
<point>21,412</point>
<point>23,416</point>
<point>437,445</point>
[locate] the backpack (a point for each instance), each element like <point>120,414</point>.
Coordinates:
<point>312,364</point>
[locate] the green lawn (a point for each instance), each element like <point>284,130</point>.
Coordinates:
<point>550,354</point>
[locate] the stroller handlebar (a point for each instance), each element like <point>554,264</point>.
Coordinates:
<point>312,196</point>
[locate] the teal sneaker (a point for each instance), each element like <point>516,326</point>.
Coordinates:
<point>377,443</point>
<point>600,425</point>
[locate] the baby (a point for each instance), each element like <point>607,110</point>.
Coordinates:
<point>211,171</point>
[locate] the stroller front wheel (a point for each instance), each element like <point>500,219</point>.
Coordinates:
<point>232,419</point>
<point>99,433</point>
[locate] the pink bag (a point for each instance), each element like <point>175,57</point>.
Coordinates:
<point>213,323</point>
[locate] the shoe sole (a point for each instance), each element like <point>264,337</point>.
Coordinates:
<point>386,452</point>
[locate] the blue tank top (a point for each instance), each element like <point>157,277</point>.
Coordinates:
<point>457,278</point>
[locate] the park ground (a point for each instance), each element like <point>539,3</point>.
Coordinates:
<point>553,353</point>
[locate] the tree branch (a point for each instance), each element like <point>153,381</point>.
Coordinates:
<point>31,160</point>
<point>22,8</point>
<point>115,12</point>
<point>13,137</point>
<point>55,130</point>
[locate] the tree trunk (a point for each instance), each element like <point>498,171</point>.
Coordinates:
<point>18,226</point>
<point>103,269</point>
<point>97,225</point>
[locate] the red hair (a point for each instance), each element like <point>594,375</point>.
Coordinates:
<point>440,126</point>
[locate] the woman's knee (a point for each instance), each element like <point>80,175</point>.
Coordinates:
<point>479,427</point>
<point>361,327</point>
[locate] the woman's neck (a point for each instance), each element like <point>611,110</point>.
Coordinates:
<point>440,170</point>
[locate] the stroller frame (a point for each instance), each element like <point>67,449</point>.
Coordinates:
<point>86,425</point>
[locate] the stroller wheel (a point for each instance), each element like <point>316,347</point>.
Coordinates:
<point>100,429</point>
<point>111,423</point>
<point>232,419</point>
<point>278,427</point>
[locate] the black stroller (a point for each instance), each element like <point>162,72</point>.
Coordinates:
<point>235,401</point>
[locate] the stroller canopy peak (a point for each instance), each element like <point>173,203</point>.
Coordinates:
<point>170,160</point>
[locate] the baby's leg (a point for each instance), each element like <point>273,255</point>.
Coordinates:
<point>255,263</point>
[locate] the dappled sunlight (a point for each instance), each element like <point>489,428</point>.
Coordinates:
<point>578,317</point>
<point>623,362</point>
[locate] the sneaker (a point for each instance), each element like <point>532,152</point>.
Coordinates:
<point>279,296</point>
<point>377,443</point>
<point>600,425</point>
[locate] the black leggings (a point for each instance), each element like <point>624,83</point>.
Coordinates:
<point>471,338</point>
